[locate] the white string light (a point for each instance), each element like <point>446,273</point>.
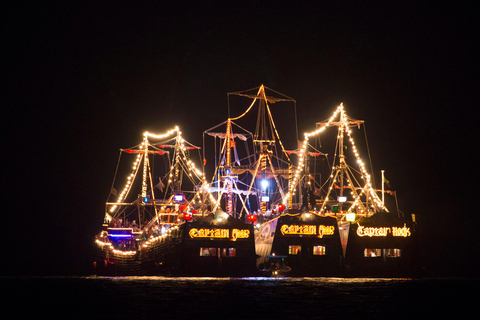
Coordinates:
<point>182,152</point>
<point>365,175</point>
<point>129,183</point>
<point>291,189</point>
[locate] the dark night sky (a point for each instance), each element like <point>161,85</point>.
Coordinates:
<point>83,80</point>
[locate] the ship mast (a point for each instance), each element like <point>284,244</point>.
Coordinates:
<point>181,163</point>
<point>342,165</point>
<point>265,138</point>
<point>342,177</point>
<point>263,143</point>
<point>228,176</point>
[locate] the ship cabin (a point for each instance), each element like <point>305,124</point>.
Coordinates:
<point>299,244</point>
<point>381,245</point>
<point>218,245</point>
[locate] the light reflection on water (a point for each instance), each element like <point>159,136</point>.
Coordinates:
<point>239,298</point>
<point>287,279</point>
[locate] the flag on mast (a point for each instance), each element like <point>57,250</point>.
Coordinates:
<point>386,181</point>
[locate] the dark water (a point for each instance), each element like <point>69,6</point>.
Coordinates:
<point>246,298</point>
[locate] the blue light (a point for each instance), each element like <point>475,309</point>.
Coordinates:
<point>145,199</point>
<point>120,235</point>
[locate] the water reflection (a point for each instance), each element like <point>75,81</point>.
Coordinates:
<point>239,298</point>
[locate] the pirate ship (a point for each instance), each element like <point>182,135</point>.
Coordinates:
<point>343,227</point>
<point>258,179</point>
<point>262,212</point>
<point>168,229</point>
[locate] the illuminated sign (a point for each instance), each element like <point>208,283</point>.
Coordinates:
<point>325,230</point>
<point>240,234</point>
<point>219,233</point>
<point>296,229</point>
<point>310,230</point>
<point>401,232</point>
<point>209,233</point>
<point>383,231</point>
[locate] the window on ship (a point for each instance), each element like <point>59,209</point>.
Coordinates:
<point>318,250</point>
<point>294,250</point>
<point>228,252</point>
<point>393,253</point>
<point>389,253</point>
<point>208,252</point>
<point>372,253</point>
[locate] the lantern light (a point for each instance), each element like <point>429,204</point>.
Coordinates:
<point>350,217</point>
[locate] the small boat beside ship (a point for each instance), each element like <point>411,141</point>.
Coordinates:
<point>299,244</point>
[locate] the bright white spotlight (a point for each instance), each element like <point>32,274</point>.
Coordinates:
<point>264,184</point>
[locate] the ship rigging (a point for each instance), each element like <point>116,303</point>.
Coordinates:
<point>262,175</point>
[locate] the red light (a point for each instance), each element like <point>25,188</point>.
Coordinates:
<point>252,217</point>
<point>281,207</point>
<point>187,216</point>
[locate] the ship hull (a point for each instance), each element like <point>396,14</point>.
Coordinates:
<point>299,245</point>
<point>382,245</point>
<point>109,264</point>
<point>205,247</point>
<point>305,245</point>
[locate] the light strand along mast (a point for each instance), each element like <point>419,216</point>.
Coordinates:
<point>227,167</point>
<point>343,170</point>
<point>265,138</point>
<point>145,164</point>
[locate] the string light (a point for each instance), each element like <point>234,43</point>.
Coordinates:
<point>181,154</point>
<point>162,136</point>
<point>291,189</point>
<point>146,244</point>
<point>115,251</point>
<point>364,174</point>
<point>130,180</point>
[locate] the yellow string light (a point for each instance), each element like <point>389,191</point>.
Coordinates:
<point>190,165</point>
<point>291,191</point>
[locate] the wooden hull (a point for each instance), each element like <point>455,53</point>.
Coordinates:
<point>205,247</point>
